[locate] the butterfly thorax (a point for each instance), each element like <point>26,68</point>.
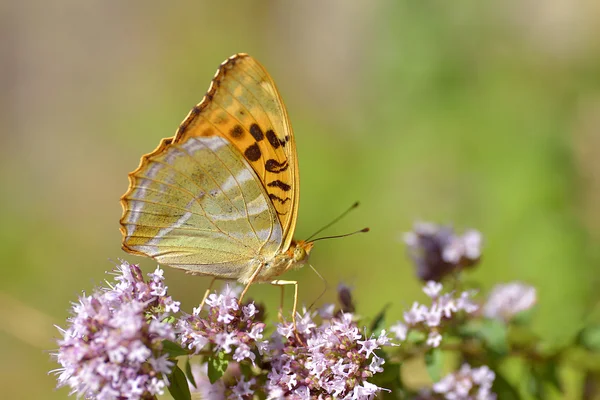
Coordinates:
<point>295,257</point>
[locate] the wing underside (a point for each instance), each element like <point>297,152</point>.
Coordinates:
<point>199,206</point>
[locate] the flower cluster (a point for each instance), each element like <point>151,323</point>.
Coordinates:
<point>113,346</point>
<point>438,251</point>
<point>327,360</point>
<point>507,300</point>
<point>467,383</point>
<point>228,327</point>
<point>429,319</point>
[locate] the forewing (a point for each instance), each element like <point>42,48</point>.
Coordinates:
<point>243,105</point>
<point>199,206</point>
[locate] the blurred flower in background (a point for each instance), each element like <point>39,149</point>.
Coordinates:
<point>507,300</point>
<point>466,384</point>
<point>438,251</point>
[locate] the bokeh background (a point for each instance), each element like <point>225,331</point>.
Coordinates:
<point>476,114</point>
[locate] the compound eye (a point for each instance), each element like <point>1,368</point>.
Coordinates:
<point>300,254</point>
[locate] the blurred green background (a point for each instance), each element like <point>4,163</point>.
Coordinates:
<point>478,114</point>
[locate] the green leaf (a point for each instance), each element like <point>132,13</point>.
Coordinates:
<point>540,377</point>
<point>178,386</point>
<point>535,385</point>
<point>217,365</point>
<point>524,317</point>
<point>379,320</point>
<point>493,333</point>
<point>415,337</point>
<point>434,361</point>
<point>503,389</point>
<point>188,373</point>
<point>174,349</point>
<point>547,373</point>
<point>389,378</point>
<point>470,328</point>
<point>590,337</point>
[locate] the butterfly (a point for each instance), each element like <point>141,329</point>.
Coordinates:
<point>220,198</point>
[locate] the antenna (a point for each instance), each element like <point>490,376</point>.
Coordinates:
<point>342,215</point>
<point>341,236</point>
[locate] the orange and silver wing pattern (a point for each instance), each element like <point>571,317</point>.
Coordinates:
<point>243,106</point>
<point>200,206</point>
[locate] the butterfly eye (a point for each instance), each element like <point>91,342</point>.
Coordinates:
<point>300,254</point>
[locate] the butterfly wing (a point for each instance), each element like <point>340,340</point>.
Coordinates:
<point>243,105</point>
<point>198,205</point>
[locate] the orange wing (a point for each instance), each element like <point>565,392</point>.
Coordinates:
<point>243,105</point>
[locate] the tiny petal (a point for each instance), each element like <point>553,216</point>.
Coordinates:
<point>434,339</point>
<point>368,346</point>
<point>400,330</point>
<point>249,311</point>
<point>376,364</point>
<point>416,314</point>
<point>433,316</point>
<point>432,288</point>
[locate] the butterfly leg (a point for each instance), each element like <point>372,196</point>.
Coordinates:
<point>282,283</point>
<point>250,281</point>
<point>281,299</point>
<point>207,292</point>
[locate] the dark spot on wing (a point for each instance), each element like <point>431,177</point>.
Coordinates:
<point>256,132</point>
<point>221,118</point>
<point>236,132</point>
<point>253,153</point>
<point>274,166</point>
<point>279,199</point>
<point>281,185</point>
<point>272,138</point>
